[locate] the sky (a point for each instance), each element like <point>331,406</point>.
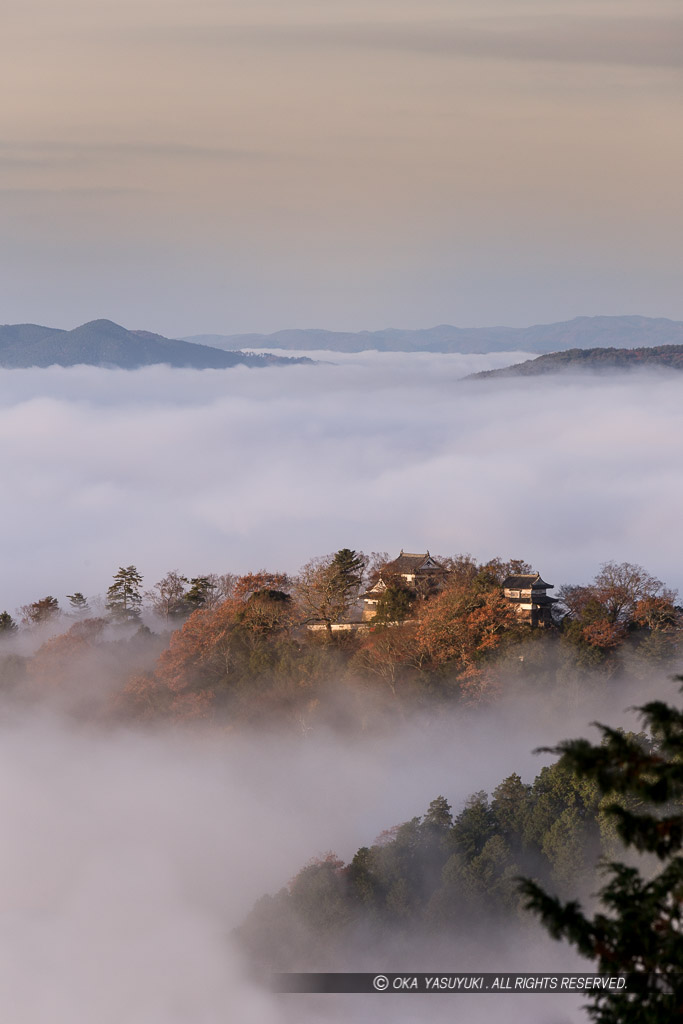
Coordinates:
<point>237,470</point>
<point>246,165</point>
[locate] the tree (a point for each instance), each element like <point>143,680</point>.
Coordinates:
<point>461,568</point>
<point>624,603</point>
<point>349,568</point>
<point>327,587</point>
<point>265,614</point>
<point>210,590</point>
<point>224,657</point>
<point>376,561</point>
<point>168,597</point>
<point>639,930</point>
<point>439,813</point>
<point>39,611</point>
<point>124,598</point>
<point>7,625</point>
<point>499,570</point>
<point>56,665</point>
<point>388,654</point>
<point>394,604</point>
<point>244,586</point>
<point>79,603</point>
<point>619,588</point>
<point>465,623</point>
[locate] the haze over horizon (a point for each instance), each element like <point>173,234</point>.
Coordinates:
<point>236,470</point>
<point>344,166</point>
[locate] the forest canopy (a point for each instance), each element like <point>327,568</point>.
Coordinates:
<point>266,645</point>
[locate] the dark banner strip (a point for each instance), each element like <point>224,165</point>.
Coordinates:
<point>467,983</point>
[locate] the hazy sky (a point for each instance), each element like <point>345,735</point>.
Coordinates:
<point>234,470</point>
<point>229,165</point>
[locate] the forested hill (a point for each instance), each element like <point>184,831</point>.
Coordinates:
<point>582,332</point>
<point>104,343</point>
<point>666,356</point>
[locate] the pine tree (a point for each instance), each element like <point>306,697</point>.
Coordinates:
<point>78,602</point>
<point>124,598</point>
<point>328,587</point>
<point>394,605</point>
<point>640,928</point>
<point>348,568</point>
<point>7,625</point>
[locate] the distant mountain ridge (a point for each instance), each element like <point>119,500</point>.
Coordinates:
<point>104,343</point>
<point>581,332</point>
<point>664,356</point>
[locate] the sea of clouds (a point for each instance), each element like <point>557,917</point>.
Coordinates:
<point>133,854</point>
<point>232,470</point>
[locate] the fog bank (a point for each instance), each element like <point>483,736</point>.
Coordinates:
<point>231,470</point>
<point>134,854</point>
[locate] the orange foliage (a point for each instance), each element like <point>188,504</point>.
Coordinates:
<point>252,582</point>
<point>462,623</point>
<point>193,707</point>
<point>208,655</point>
<point>56,661</point>
<point>657,613</point>
<point>201,647</point>
<point>604,634</point>
<point>384,652</point>
<point>479,685</point>
<point>142,696</point>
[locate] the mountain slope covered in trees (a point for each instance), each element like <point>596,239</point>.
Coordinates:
<point>668,357</point>
<point>104,343</point>
<point>241,650</point>
<point>444,881</point>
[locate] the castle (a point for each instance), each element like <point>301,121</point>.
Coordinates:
<point>423,574</point>
<point>528,593</point>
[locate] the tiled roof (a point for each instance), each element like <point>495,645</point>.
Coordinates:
<point>532,579</point>
<point>407,562</point>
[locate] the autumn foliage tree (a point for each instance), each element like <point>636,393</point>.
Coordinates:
<point>39,611</point>
<point>254,582</point>
<point>464,623</point>
<point>215,654</point>
<point>623,603</point>
<point>55,663</point>
<point>388,654</point>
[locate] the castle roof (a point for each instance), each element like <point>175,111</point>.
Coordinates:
<point>408,562</point>
<point>525,581</point>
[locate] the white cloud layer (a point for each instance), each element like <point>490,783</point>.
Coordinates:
<point>134,855</point>
<point>234,470</point>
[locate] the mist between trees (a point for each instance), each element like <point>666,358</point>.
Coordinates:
<point>296,651</point>
<point>439,883</point>
<point>420,724</point>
